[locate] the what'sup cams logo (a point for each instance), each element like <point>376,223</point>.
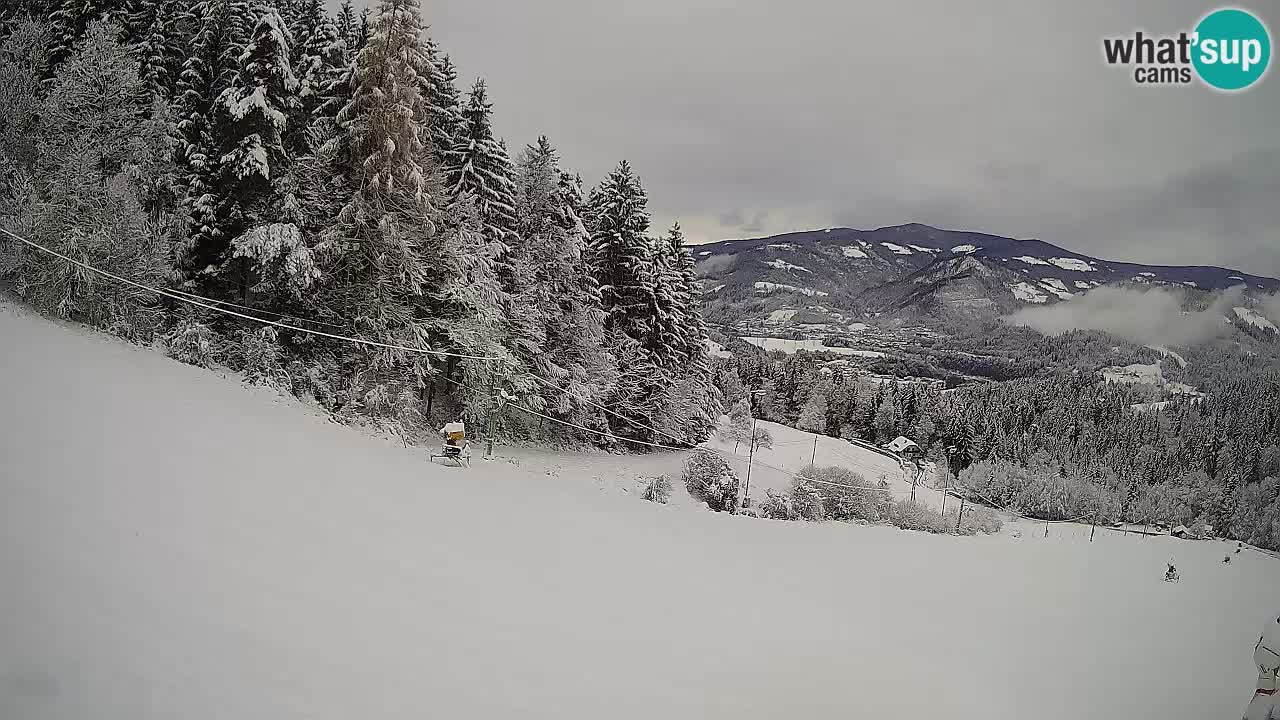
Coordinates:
<point>1229,50</point>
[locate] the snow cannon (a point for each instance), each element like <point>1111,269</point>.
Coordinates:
<point>455,449</point>
<point>1266,655</point>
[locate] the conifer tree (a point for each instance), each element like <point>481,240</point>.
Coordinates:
<point>479,166</point>
<point>442,103</point>
<point>348,27</point>
<point>320,61</point>
<point>250,120</point>
<point>159,44</point>
<point>210,68</point>
<point>620,253</point>
<point>71,18</point>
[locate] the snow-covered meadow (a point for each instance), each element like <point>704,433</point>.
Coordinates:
<point>174,544</point>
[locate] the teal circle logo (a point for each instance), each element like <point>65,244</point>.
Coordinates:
<point>1232,49</point>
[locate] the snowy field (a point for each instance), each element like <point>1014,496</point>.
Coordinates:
<point>175,545</point>
<point>790,346</point>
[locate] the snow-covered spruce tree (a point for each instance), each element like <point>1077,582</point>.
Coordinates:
<point>621,255</point>
<point>80,199</point>
<point>382,253</point>
<point>24,55</point>
<point>478,165</point>
<point>249,122</point>
<point>210,68</point>
<point>70,19</point>
<point>347,25</point>
<point>442,102</point>
<point>159,44</point>
<point>319,58</point>
<point>548,268</point>
<point>669,338</point>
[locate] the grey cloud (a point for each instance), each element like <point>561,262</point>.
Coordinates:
<point>1147,317</point>
<point>988,116</point>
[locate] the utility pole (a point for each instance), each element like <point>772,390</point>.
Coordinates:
<point>751,450</point>
<point>751,455</point>
<point>944,498</point>
<point>960,519</point>
<point>493,402</point>
<point>814,457</point>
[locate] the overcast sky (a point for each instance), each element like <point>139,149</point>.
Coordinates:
<point>753,117</point>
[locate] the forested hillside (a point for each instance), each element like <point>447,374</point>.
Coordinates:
<point>1064,443</point>
<point>327,173</point>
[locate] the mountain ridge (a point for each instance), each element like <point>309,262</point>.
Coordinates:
<point>918,272</point>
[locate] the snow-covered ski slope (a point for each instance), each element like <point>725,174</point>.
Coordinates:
<point>174,545</point>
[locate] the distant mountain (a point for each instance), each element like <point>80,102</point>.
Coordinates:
<point>829,278</point>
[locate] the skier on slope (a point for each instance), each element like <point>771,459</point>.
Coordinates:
<point>1266,655</point>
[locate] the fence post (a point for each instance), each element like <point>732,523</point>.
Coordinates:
<point>960,519</point>
<point>814,457</point>
<point>1093,529</point>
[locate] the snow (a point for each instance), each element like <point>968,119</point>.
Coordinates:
<point>965,249</point>
<point>715,349</point>
<point>782,246</point>
<point>1188,283</point>
<point>1234,277</point>
<point>174,544</point>
<point>1145,375</point>
<point>784,265</point>
<point>1028,259</point>
<point>1253,318</point>
<point>923,249</point>
<point>769,287</point>
<point>705,253</point>
<point>897,249</point>
<point>1057,287</point>
<point>717,288</point>
<point>1082,285</point>
<point>780,316</point>
<point>1027,292</point>
<point>812,345</point>
<point>792,450</point>
<point>1147,274</point>
<point>853,252</point>
<point>1073,264</point>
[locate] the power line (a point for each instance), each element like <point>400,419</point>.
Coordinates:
<point>181,298</point>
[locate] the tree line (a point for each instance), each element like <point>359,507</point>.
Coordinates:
<point>1065,443</point>
<point>326,171</point>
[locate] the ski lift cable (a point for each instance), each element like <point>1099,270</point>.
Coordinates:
<point>566,423</point>
<point>182,298</point>
<point>685,448</point>
<point>253,309</point>
<point>598,406</point>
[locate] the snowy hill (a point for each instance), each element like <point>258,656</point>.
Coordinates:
<point>917,271</point>
<point>174,544</point>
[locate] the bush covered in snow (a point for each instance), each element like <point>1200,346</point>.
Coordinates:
<point>907,515</point>
<point>828,493</point>
<point>658,490</point>
<point>260,356</point>
<point>980,520</point>
<point>193,343</point>
<point>709,479</point>
<point>849,496</point>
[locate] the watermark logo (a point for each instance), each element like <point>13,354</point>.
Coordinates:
<point>1229,50</point>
